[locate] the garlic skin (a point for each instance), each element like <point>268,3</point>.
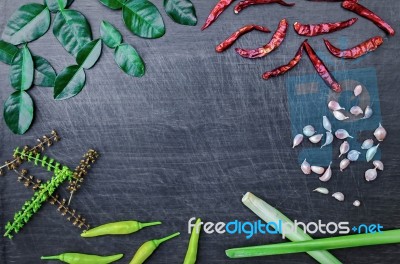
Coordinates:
<point>297,140</point>
<point>327,124</point>
<point>334,106</point>
<point>338,196</point>
<point>353,155</point>
<point>380,133</point>
<point>342,134</point>
<point>339,116</point>
<point>308,131</point>
<point>328,140</point>
<point>358,90</point>
<point>368,112</point>
<point>344,164</point>
<point>322,190</point>
<point>356,110</point>
<point>378,165</point>
<point>306,167</point>
<point>327,174</point>
<point>344,148</point>
<point>316,138</point>
<point>356,203</point>
<point>371,174</point>
<point>367,144</point>
<point>371,153</point>
<point>317,169</point>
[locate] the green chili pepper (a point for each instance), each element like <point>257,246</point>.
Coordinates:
<point>191,254</point>
<point>117,228</point>
<point>77,258</point>
<point>148,248</point>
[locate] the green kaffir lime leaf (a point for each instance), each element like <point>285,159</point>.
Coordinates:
<point>110,35</point>
<point>181,11</point>
<point>7,52</point>
<point>113,4</point>
<point>129,60</point>
<point>22,70</point>
<point>89,54</point>
<point>69,82</point>
<point>18,112</point>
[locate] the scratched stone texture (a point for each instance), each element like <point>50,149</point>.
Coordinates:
<point>193,135</point>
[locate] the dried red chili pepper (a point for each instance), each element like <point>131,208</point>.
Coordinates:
<point>365,12</point>
<point>241,31</point>
<point>357,51</point>
<point>285,68</point>
<point>321,68</point>
<point>312,30</point>
<point>245,3</point>
<point>273,44</point>
<point>217,10</point>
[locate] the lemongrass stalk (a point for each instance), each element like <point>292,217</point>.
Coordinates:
<point>349,241</point>
<point>269,214</point>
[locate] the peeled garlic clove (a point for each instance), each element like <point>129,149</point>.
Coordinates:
<point>322,190</point>
<point>356,110</point>
<point>378,165</point>
<point>371,153</point>
<point>368,112</point>
<point>344,164</point>
<point>367,144</point>
<point>338,196</point>
<point>317,169</point>
<point>342,134</point>
<point>297,140</point>
<point>344,148</point>
<point>358,90</point>
<point>380,133</point>
<point>334,106</point>
<point>327,174</point>
<point>339,116</point>
<point>326,123</point>
<point>328,140</point>
<point>316,138</point>
<point>357,203</point>
<point>305,167</point>
<point>308,131</point>
<point>353,155</point>
<point>371,174</point>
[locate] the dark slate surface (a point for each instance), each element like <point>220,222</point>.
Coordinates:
<point>199,131</point>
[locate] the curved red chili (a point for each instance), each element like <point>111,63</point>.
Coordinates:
<point>322,69</point>
<point>357,51</point>
<point>365,12</point>
<point>217,10</point>
<point>285,68</point>
<point>273,44</point>
<point>241,31</point>
<point>312,30</point>
<point>245,3</point>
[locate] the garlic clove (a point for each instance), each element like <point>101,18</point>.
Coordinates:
<point>297,140</point>
<point>344,148</point>
<point>378,165</point>
<point>305,167</point>
<point>367,144</point>
<point>380,133</point>
<point>338,196</point>
<point>339,116</point>
<point>334,106</point>
<point>353,155</point>
<point>371,153</point>
<point>356,110</point>
<point>342,134</point>
<point>322,190</point>
<point>317,169</point>
<point>327,174</point>
<point>326,123</point>
<point>316,138</point>
<point>308,131</point>
<point>358,90</point>
<point>368,112</point>
<point>328,140</point>
<point>371,174</point>
<point>344,164</point>
<point>357,203</point>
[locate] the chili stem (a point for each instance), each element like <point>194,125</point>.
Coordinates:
<point>142,225</point>
<point>162,240</point>
<point>50,257</point>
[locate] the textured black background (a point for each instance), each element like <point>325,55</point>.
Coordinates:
<point>193,135</point>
